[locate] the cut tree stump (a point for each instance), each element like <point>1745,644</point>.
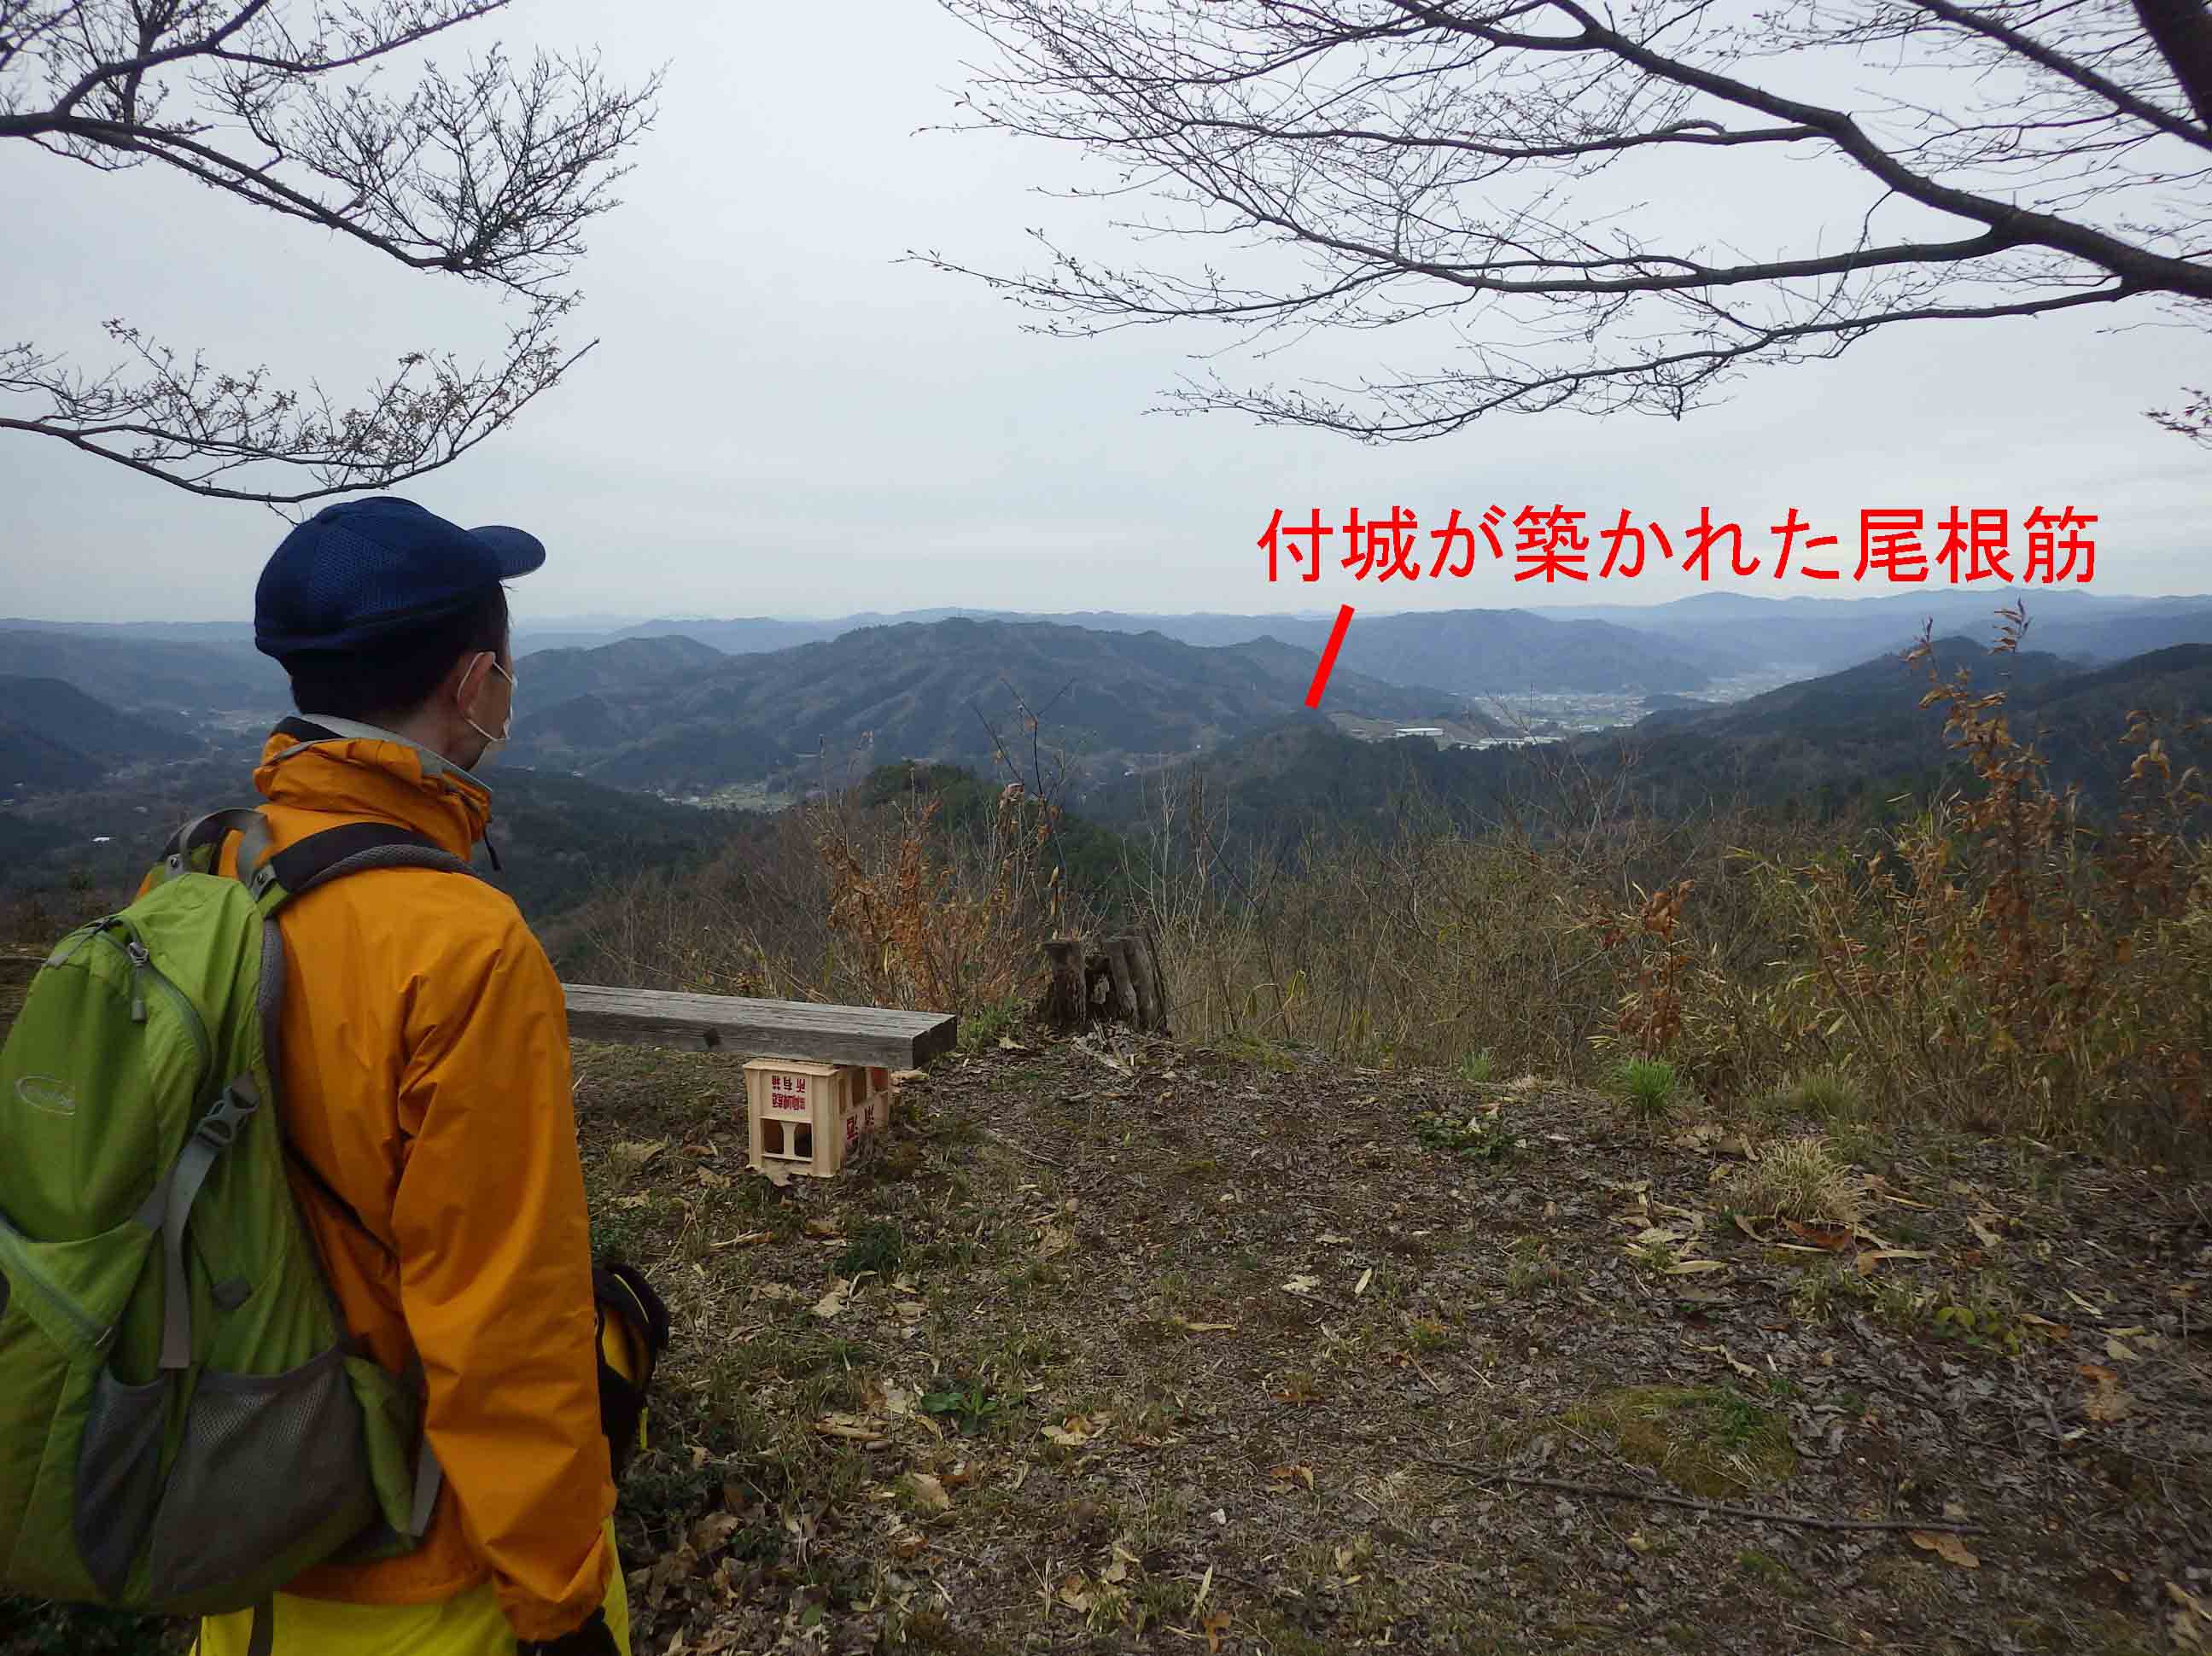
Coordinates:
<point>1117,981</point>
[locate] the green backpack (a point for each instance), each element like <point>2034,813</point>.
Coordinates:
<point>184,1422</point>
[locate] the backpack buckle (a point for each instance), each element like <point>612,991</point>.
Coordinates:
<point>220,1125</point>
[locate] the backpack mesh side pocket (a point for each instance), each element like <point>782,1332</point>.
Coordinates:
<point>119,1476</point>
<point>270,1467</point>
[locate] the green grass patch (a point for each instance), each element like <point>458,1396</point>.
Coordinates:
<point>1710,1440</point>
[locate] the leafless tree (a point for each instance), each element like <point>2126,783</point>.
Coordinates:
<point>488,173</point>
<point>1518,184</point>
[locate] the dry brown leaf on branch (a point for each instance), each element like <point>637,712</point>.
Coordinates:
<point>1948,1547</point>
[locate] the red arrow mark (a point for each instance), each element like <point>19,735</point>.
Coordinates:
<point>1328,657</point>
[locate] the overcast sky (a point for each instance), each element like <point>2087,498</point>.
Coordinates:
<point>782,418</point>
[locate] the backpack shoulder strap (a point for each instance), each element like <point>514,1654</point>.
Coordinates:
<point>197,846</point>
<point>333,853</point>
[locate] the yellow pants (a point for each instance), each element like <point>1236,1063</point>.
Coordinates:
<point>469,1624</point>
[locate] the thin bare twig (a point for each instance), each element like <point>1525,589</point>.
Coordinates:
<point>1719,1508</point>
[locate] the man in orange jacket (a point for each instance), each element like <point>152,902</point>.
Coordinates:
<point>426,1088</point>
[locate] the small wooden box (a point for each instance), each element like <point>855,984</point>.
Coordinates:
<point>811,1118</point>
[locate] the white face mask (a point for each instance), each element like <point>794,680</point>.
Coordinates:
<point>493,744</point>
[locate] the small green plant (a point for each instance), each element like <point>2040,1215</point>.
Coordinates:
<point>1650,1085</point>
<point>1530,1267</point>
<point>968,1407</point>
<point>982,1029</point>
<point>1474,1067</point>
<point>1479,1139</point>
<point>1828,1292</point>
<point>878,1245</point>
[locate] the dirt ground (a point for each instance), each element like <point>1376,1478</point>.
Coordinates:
<point>1115,1347</point>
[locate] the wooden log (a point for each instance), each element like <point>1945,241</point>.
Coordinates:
<point>1148,953</point>
<point>1098,990</point>
<point>1116,950</point>
<point>878,1037</point>
<point>1066,1006</point>
<point>1132,953</point>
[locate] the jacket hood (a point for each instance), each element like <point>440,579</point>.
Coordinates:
<point>373,774</point>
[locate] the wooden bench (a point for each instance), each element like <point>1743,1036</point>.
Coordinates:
<point>874,1036</point>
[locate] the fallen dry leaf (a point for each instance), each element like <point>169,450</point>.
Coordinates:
<point>1874,1256</point>
<point>833,1302</point>
<point>1365,1277</point>
<point>1829,1238</point>
<point>1075,1593</point>
<point>1693,1267</point>
<point>2119,1351</point>
<point>1054,1239</point>
<point>1302,1284</point>
<point>636,1152</point>
<point>1983,1225</point>
<point>828,1229</point>
<point>1293,1475</point>
<point>1948,1547</point>
<point>1206,1328</point>
<point>1213,1626</point>
<point>928,1493</point>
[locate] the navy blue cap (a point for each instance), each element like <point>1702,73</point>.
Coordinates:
<point>363,570</point>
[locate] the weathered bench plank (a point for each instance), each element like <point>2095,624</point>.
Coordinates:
<point>761,1028</point>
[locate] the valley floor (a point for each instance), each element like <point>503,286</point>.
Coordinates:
<point>1150,1347</point>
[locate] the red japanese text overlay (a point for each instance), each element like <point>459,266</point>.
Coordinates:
<point>1902,545</point>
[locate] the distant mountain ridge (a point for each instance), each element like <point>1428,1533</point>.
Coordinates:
<point>1857,735</point>
<point>54,735</point>
<point>926,690</point>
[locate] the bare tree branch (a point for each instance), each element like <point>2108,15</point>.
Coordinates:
<point>489,173</point>
<point>1442,166</point>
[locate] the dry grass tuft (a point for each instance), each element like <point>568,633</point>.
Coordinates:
<point>1798,1178</point>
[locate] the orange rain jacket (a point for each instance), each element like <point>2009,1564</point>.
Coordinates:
<point>425,1076</point>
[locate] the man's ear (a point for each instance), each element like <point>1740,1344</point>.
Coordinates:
<point>464,681</point>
